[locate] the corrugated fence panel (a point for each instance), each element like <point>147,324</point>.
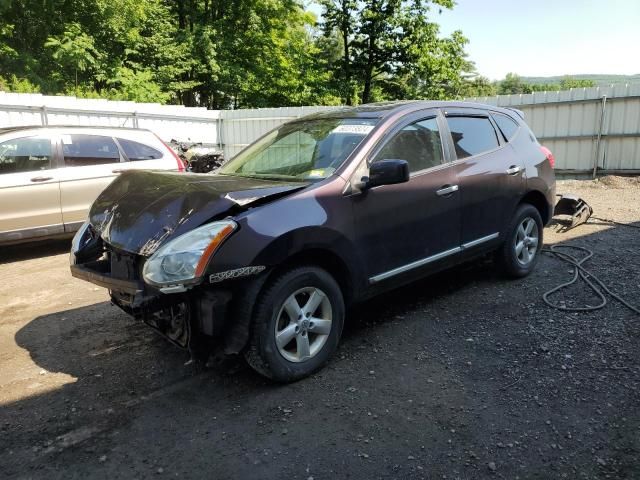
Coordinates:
<point>241,127</point>
<point>169,122</point>
<point>569,123</point>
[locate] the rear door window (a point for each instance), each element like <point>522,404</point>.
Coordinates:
<point>28,154</point>
<point>507,125</point>
<point>136,151</point>
<point>418,143</point>
<point>472,135</point>
<point>87,150</point>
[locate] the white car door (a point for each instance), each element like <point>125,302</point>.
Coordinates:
<point>91,162</point>
<point>29,189</point>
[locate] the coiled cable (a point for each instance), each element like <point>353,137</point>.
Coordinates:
<point>580,272</point>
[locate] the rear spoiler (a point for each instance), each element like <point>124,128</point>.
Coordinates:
<point>519,112</point>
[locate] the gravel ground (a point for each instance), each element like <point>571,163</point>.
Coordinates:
<point>461,376</point>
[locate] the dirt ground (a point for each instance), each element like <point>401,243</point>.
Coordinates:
<point>464,375</point>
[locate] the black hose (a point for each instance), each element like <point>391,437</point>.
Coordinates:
<point>586,275</point>
<point>606,220</point>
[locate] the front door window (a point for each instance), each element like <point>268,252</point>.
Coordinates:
<point>418,143</point>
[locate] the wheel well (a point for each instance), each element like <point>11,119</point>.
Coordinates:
<point>326,260</point>
<point>539,201</point>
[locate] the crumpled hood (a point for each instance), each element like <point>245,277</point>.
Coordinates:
<point>140,210</point>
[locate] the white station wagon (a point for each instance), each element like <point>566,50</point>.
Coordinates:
<point>50,176</point>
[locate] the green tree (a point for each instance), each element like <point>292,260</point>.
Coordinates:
<point>17,85</point>
<point>478,86</point>
<point>568,82</point>
<point>339,16</point>
<point>394,50</point>
<point>513,84</point>
<point>73,50</point>
<point>136,86</point>
<point>222,54</point>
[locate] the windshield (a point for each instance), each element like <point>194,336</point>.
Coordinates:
<point>307,150</point>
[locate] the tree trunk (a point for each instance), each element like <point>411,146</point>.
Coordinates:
<point>366,92</point>
<point>182,20</point>
<point>346,23</point>
<point>347,72</point>
<point>368,71</point>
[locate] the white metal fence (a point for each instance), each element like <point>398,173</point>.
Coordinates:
<point>585,128</point>
<point>241,127</point>
<point>167,121</point>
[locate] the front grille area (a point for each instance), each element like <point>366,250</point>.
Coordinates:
<point>124,265</point>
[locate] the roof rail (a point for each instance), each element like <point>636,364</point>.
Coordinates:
<point>519,112</point>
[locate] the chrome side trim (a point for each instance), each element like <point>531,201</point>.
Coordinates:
<point>432,258</point>
<point>478,241</point>
<point>412,265</point>
<point>72,226</point>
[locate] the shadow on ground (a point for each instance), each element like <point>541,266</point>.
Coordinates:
<point>27,251</point>
<point>464,374</point>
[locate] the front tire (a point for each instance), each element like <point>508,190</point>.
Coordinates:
<point>518,255</point>
<point>297,324</point>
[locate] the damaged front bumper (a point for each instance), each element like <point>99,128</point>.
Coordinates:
<point>99,273</point>
<point>193,320</point>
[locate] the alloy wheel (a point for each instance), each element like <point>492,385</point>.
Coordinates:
<point>526,241</point>
<point>303,324</point>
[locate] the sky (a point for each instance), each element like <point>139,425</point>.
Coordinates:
<point>547,37</point>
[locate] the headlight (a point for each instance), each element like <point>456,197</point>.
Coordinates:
<point>184,259</point>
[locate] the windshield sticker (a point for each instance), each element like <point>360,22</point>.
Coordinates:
<point>317,173</point>
<point>357,129</point>
<point>66,139</point>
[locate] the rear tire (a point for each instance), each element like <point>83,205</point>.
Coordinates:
<point>297,324</point>
<point>518,254</point>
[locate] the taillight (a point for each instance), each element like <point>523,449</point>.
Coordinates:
<point>175,155</point>
<point>549,155</point>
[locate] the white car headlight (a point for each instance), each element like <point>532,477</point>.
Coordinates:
<point>185,258</point>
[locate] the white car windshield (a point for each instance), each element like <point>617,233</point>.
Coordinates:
<point>307,150</point>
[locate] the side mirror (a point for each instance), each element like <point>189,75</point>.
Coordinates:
<point>388,172</point>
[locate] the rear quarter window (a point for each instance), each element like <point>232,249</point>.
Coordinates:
<point>87,150</point>
<point>507,125</point>
<point>136,151</point>
<point>472,135</point>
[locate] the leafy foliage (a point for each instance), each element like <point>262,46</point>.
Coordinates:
<point>514,84</point>
<point>74,50</point>
<point>240,53</point>
<point>391,50</point>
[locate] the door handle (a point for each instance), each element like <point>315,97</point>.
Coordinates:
<point>447,190</point>
<point>514,170</point>
<point>118,170</point>
<point>41,179</point>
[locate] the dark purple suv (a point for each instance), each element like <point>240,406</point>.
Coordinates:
<point>263,256</point>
